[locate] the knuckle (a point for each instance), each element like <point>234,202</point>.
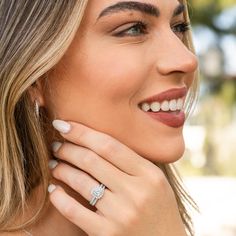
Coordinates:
<point>78,183</point>
<point>81,133</point>
<point>88,160</point>
<point>69,211</point>
<point>112,231</point>
<point>130,217</point>
<point>109,146</point>
<point>157,178</point>
<point>142,200</point>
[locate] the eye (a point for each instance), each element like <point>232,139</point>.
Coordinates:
<point>133,30</point>
<point>181,28</point>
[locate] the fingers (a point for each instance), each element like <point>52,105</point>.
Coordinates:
<point>104,145</point>
<point>75,212</point>
<point>83,184</point>
<point>91,163</point>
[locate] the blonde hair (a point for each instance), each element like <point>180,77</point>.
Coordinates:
<point>34,35</point>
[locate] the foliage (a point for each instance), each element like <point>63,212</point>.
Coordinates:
<point>205,11</point>
<point>217,105</point>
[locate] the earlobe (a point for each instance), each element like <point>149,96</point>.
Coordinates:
<point>36,93</point>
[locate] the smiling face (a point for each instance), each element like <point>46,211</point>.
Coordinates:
<point>124,53</point>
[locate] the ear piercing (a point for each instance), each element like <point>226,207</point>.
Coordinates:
<point>36,107</point>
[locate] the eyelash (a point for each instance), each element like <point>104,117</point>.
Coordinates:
<point>182,27</point>
<point>142,26</point>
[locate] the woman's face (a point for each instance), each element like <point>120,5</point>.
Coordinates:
<point>124,53</point>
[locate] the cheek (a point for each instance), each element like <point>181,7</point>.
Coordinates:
<point>101,84</point>
<point>97,90</point>
<point>109,73</point>
<point>189,80</point>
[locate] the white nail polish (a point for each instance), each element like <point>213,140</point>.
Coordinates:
<point>51,188</point>
<point>62,126</point>
<point>52,164</point>
<point>56,146</point>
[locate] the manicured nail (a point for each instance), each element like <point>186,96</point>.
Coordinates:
<point>62,126</point>
<point>56,146</point>
<point>52,164</point>
<point>51,188</point>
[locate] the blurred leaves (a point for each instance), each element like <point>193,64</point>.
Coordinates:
<point>216,112</point>
<point>205,11</point>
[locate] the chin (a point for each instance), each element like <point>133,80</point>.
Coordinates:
<point>164,154</point>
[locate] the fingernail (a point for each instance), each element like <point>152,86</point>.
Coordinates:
<point>51,188</point>
<point>52,164</point>
<point>56,146</point>
<point>62,126</point>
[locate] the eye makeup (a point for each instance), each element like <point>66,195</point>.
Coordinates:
<point>141,28</point>
<point>132,29</point>
<point>135,20</point>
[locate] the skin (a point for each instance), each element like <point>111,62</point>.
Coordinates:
<point>97,87</point>
<point>102,79</point>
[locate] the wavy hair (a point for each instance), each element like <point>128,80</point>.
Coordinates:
<point>34,36</point>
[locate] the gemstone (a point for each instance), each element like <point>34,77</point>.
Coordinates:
<point>98,191</point>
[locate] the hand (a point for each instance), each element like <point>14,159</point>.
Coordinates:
<point>138,199</point>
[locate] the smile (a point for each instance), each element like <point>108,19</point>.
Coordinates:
<point>173,105</point>
<point>166,107</point>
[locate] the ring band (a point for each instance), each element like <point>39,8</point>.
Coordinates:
<point>97,193</point>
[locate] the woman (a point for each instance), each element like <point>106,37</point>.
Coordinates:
<point>95,88</point>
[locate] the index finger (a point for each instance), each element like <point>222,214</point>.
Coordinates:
<point>104,145</point>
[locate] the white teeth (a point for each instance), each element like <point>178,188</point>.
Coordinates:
<point>145,107</point>
<point>180,104</point>
<point>173,105</point>
<point>165,106</point>
<point>155,106</point>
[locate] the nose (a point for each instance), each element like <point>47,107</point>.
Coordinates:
<point>175,56</point>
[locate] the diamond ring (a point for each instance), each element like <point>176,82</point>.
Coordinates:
<point>97,193</point>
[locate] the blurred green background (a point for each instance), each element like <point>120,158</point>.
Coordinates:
<point>211,130</point>
<point>209,163</point>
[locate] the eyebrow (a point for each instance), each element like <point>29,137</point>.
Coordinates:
<point>132,5</point>
<point>145,8</point>
<point>179,10</point>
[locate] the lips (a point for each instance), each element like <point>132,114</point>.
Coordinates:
<point>168,117</point>
<point>171,119</point>
<point>167,95</point>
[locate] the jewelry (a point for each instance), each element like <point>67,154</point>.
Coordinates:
<point>97,193</point>
<point>36,105</point>
<point>27,232</point>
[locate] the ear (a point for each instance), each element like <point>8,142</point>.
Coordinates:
<point>36,92</point>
